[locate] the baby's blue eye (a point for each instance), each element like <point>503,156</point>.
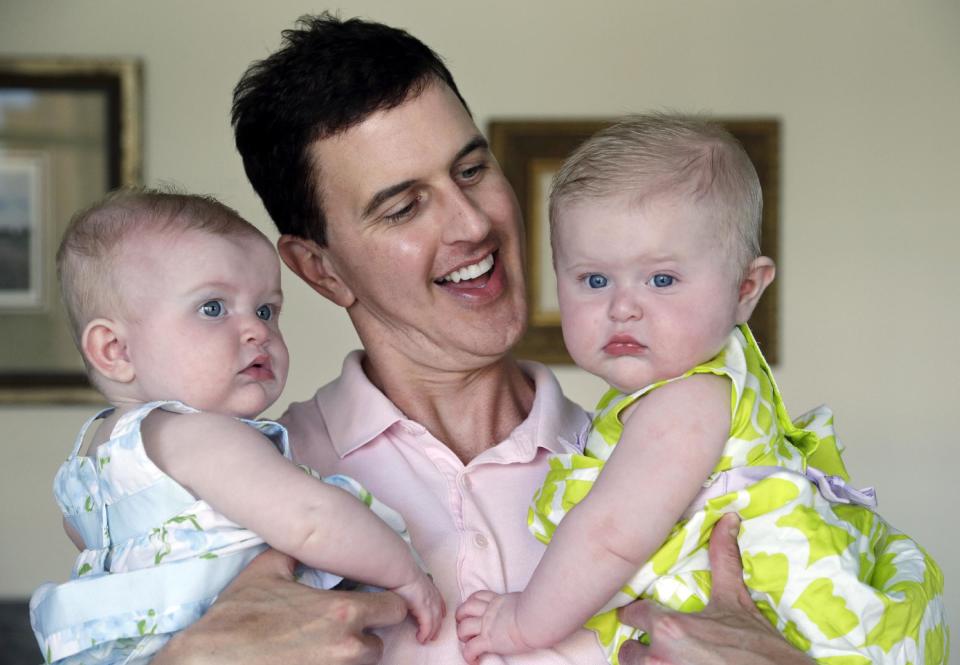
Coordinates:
<point>213,309</point>
<point>596,281</point>
<point>661,281</point>
<point>265,312</point>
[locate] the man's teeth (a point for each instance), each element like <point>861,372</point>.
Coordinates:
<point>469,272</point>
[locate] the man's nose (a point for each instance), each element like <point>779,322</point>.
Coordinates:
<point>465,220</point>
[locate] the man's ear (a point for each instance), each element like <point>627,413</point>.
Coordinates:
<point>104,345</point>
<point>756,279</point>
<point>315,266</point>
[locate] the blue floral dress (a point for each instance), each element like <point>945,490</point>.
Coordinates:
<point>156,557</point>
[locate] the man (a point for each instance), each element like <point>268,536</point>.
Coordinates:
<point>390,204</point>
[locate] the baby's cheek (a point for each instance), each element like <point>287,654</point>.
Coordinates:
<point>582,345</point>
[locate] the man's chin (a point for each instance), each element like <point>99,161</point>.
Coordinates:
<point>500,338</point>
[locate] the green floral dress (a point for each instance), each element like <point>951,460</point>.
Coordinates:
<point>829,573</point>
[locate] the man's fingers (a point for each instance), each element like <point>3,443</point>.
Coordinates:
<point>379,609</point>
<point>632,653</point>
<point>274,561</point>
<point>639,614</point>
<point>268,564</point>
<point>725,564</point>
<point>371,649</point>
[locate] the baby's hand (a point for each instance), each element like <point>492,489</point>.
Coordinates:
<point>487,623</point>
<point>425,604</point>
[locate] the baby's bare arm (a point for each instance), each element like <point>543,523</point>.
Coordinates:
<point>238,471</point>
<point>671,441</point>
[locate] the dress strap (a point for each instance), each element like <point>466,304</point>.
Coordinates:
<point>275,432</point>
<point>130,421</point>
<point>833,488</point>
<point>81,437</point>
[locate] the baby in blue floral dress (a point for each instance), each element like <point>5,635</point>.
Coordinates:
<point>174,301</point>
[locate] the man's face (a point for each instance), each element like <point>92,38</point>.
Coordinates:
<point>424,233</point>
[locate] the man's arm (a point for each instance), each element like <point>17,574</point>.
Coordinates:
<point>264,616</point>
<point>730,631</point>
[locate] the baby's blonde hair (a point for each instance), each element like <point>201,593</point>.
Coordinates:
<point>644,155</point>
<point>93,241</point>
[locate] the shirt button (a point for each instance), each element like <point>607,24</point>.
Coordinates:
<point>467,483</point>
<point>480,540</point>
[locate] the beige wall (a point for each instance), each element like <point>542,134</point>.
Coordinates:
<point>869,95</point>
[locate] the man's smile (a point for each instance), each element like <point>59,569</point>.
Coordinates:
<point>469,272</point>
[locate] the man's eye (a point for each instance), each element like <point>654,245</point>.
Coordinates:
<point>596,281</point>
<point>265,312</point>
<point>213,309</point>
<point>662,281</point>
<point>404,212</point>
<point>473,172</point>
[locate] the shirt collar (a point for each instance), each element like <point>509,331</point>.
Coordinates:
<point>353,409</point>
<point>356,411</point>
<point>554,423</point>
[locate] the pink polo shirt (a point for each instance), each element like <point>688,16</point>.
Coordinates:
<point>468,522</point>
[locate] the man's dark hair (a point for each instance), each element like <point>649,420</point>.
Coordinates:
<point>327,76</point>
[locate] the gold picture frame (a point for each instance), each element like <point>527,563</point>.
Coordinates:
<point>531,151</point>
<point>69,132</point>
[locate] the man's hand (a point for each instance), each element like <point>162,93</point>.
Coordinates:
<point>265,617</point>
<point>730,631</point>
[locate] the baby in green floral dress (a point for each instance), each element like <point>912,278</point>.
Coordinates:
<point>655,229</point>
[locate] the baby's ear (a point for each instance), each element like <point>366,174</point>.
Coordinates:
<point>104,346</point>
<point>756,279</point>
<point>317,267</point>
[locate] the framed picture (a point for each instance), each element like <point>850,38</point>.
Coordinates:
<point>21,231</point>
<point>531,152</point>
<point>69,133</point>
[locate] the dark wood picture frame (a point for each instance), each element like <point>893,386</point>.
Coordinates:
<point>530,151</point>
<point>70,131</point>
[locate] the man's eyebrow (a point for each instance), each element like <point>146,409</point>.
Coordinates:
<point>385,194</point>
<point>476,143</point>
